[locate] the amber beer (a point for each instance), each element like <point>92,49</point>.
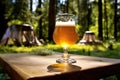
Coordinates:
<point>65,34</point>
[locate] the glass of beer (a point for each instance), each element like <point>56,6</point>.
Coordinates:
<point>65,35</point>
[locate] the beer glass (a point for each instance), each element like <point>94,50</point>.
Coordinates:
<point>65,35</point>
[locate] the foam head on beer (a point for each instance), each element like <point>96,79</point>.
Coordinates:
<point>67,24</point>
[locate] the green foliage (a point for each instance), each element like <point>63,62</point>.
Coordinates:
<point>91,50</point>
<point>42,51</point>
<point>73,8</point>
<point>3,75</point>
<point>79,29</point>
<point>20,11</point>
<point>9,9</point>
<point>94,29</point>
<point>14,49</point>
<point>44,18</point>
<point>54,47</point>
<point>15,21</point>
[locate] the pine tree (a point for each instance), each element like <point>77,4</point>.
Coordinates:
<point>21,11</point>
<point>51,19</point>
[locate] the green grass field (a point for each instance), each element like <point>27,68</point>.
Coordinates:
<point>90,50</point>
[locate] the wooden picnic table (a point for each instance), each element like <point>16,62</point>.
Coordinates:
<point>35,67</point>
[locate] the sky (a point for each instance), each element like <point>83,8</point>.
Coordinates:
<point>35,3</point>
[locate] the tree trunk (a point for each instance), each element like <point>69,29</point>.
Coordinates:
<point>89,14</point>
<point>3,21</point>
<point>31,5</point>
<point>51,19</point>
<point>100,29</point>
<point>83,16</point>
<point>67,7</point>
<point>78,4</point>
<point>106,20</point>
<point>115,21</point>
<point>40,21</point>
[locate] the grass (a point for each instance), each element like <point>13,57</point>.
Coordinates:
<point>91,50</point>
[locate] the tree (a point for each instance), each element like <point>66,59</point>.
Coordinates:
<point>100,28</point>
<point>105,19</point>
<point>67,6</point>
<point>41,14</point>
<point>78,5</point>
<point>39,11</point>
<point>21,11</point>
<point>82,15</point>
<point>115,20</point>
<point>89,13</point>
<point>51,19</point>
<point>31,5</point>
<point>3,20</point>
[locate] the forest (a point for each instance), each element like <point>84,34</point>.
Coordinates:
<point>99,16</point>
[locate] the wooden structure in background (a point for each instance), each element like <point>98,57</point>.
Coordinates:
<point>22,34</point>
<point>89,38</point>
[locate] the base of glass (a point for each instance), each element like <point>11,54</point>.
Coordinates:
<point>62,60</point>
<point>63,67</point>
